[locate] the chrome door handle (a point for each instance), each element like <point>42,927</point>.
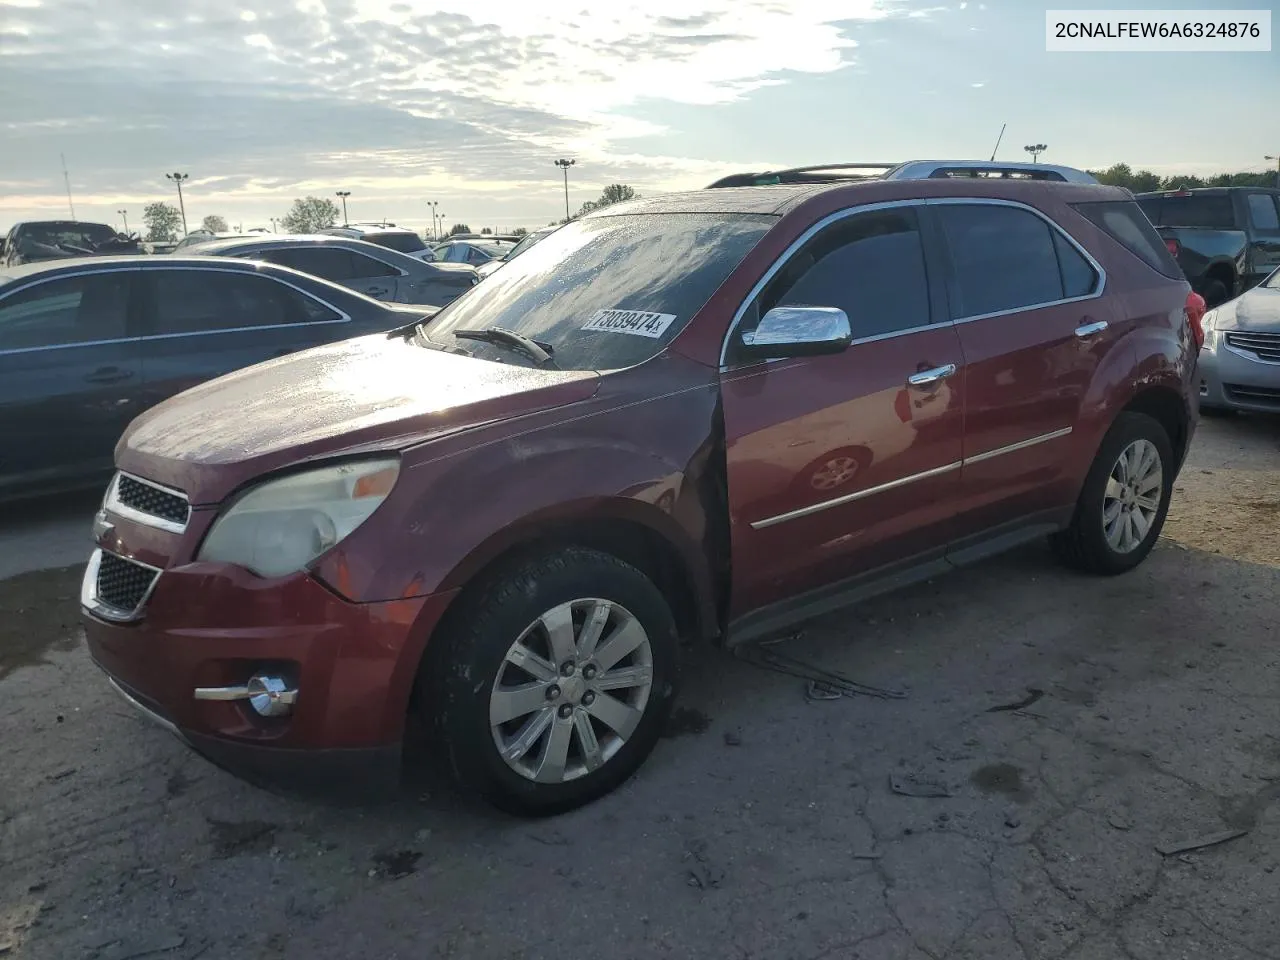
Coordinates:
<point>927,378</point>
<point>1089,329</point>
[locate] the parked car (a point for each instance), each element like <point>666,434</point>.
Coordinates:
<point>37,241</point>
<point>473,252</point>
<point>1240,363</point>
<point>87,345</point>
<point>400,239</point>
<point>375,271</point>
<point>708,415</point>
<point>200,237</point>
<point>523,244</point>
<point>1226,239</point>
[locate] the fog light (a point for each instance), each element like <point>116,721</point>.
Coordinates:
<point>270,696</point>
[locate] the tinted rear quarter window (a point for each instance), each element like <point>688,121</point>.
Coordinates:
<point>1003,258</point>
<point>1125,222</point>
<point>403,242</point>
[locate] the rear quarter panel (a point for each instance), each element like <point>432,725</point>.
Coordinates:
<point>1154,347</point>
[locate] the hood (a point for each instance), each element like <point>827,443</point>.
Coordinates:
<point>370,393</point>
<point>1259,310</point>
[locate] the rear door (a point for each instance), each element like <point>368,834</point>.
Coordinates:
<point>1264,219</point>
<point>70,378</point>
<point>370,276</point>
<point>840,465</point>
<point>203,322</point>
<point>1027,304</point>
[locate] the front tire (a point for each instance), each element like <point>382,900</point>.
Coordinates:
<point>1125,499</point>
<point>553,680</point>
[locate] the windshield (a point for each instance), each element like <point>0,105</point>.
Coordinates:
<point>403,242</point>
<point>605,292</point>
<point>525,243</point>
<point>86,235</point>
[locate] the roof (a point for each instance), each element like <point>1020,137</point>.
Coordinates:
<point>1201,191</point>
<point>143,261</point>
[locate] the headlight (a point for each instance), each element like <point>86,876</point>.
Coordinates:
<point>1208,320</point>
<point>280,526</point>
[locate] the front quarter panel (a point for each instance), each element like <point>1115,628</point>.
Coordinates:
<point>462,500</point>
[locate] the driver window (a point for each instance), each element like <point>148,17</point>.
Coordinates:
<point>870,265</point>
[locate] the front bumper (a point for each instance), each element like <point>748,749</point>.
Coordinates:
<point>1235,379</point>
<point>214,625</point>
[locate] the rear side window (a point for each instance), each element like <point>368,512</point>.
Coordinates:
<point>870,265</point>
<point>362,266</point>
<point>1003,259</point>
<point>328,263</point>
<point>204,301</point>
<point>67,311</point>
<point>403,242</point>
<point>1125,222</point>
<point>1196,210</point>
<point>1262,212</point>
<point>1078,276</point>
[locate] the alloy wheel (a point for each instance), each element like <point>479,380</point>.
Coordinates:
<point>571,690</point>
<point>1132,498</point>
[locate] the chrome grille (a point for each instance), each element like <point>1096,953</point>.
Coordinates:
<point>123,584</point>
<point>148,503</point>
<point>1265,346</point>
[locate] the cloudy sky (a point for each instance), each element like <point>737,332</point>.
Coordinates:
<point>468,104</point>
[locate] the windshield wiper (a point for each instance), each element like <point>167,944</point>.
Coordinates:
<point>541,352</point>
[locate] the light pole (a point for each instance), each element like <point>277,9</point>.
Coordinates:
<point>1277,160</point>
<point>343,194</point>
<point>273,224</point>
<point>180,179</point>
<point>564,165</point>
<point>125,215</point>
<point>435,227</point>
<point>1035,149</point>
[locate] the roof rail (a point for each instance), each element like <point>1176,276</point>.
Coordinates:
<point>911,170</point>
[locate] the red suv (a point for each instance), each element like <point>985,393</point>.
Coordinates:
<point>704,415</point>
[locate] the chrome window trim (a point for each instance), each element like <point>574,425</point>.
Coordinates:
<point>782,260</point>
<point>112,504</point>
<point>1099,286</point>
<point>89,590</point>
<point>903,481</point>
<point>343,316</point>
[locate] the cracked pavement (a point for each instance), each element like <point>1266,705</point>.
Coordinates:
<point>769,832</point>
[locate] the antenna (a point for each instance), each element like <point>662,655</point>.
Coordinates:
<point>998,139</point>
<point>67,179</point>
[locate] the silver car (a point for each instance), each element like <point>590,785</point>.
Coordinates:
<point>371,269</point>
<point>1240,361</point>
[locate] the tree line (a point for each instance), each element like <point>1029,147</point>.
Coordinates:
<point>1146,181</point>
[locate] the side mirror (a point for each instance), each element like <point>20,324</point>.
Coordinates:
<point>798,332</point>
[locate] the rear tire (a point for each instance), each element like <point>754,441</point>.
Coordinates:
<point>532,645</point>
<point>1118,517</point>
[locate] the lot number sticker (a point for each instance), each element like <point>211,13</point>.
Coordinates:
<point>639,323</point>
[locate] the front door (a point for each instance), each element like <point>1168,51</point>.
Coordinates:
<point>844,464</point>
<point>1034,329</point>
<point>70,379</point>
<point>1264,218</point>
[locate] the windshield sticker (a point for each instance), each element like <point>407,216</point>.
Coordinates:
<point>639,323</point>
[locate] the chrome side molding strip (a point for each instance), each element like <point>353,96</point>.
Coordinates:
<point>903,481</point>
